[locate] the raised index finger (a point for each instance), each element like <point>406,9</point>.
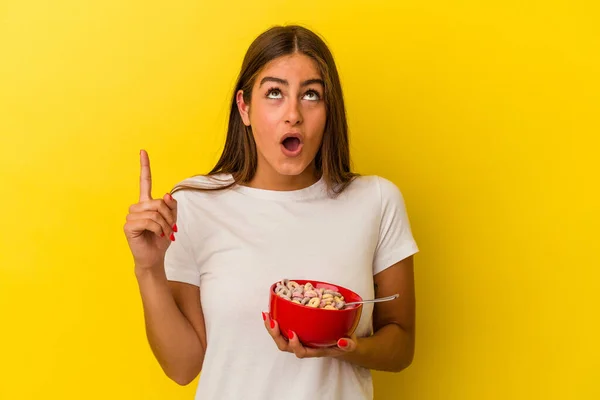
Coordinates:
<point>145,177</point>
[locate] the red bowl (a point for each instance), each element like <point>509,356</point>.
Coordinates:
<point>316,327</point>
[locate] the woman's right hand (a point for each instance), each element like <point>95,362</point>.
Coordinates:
<point>151,223</point>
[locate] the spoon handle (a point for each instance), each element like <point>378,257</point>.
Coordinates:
<point>392,297</point>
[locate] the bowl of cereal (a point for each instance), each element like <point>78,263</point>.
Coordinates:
<point>316,311</point>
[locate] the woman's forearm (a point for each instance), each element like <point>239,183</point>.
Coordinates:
<point>391,349</point>
<point>172,338</point>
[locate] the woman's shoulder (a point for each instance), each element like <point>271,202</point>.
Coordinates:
<point>201,185</point>
<point>375,189</point>
<point>375,184</point>
<point>206,181</point>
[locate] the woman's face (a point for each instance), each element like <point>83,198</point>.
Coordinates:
<point>287,115</point>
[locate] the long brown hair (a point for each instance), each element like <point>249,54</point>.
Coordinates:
<point>239,157</point>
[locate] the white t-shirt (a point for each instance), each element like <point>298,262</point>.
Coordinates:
<point>234,244</point>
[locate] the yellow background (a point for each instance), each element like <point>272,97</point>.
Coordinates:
<point>485,113</point>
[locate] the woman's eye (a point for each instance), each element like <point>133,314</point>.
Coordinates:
<point>312,95</point>
<point>274,94</point>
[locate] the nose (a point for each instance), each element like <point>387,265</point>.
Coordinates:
<point>293,113</point>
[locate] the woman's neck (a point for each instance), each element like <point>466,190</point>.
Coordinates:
<point>272,180</point>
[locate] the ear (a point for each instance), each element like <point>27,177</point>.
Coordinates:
<point>243,108</point>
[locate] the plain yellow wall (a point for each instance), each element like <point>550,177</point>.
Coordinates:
<point>485,113</point>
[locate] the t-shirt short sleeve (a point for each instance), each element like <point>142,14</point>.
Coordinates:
<point>396,241</point>
<point>180,263</point>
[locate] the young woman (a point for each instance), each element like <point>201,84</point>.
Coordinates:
<point>280,203</point>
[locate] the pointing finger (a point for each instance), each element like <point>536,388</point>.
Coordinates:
<point>145,177</point>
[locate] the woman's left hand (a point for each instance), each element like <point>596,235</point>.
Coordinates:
<point>344,345</point>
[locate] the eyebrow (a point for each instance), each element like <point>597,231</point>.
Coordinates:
<point>286,83</point>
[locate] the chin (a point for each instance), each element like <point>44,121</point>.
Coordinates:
<point>290,171</point>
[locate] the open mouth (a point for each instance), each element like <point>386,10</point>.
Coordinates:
<point>291,144</point>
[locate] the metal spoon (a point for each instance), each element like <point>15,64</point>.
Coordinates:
<point>392,297</point>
